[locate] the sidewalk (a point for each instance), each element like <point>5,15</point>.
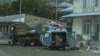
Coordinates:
<point>93,43</point>
<point>4,41</point>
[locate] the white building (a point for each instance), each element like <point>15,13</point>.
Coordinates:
<point>7,21</point>
<point>86,19</point>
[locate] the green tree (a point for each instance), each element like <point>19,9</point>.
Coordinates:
<point>34,7</point>
<point>6,9</point>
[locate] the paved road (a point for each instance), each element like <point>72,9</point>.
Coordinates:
<point>7,50</point>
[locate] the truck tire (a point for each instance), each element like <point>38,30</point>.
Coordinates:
<point>23,43</point>
<point>11,42</point>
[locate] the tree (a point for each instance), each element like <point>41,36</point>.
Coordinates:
<point>6,9</point>
<point>34,7</point>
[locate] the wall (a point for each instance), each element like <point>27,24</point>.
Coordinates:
<point>97,9</point>
<point>77,25</point>
<point>20,20</point>
<point>78,6</point>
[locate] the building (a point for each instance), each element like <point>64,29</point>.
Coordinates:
<point>7,21</point>
<point>86,19</point>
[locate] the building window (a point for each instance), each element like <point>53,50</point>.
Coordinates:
<point>87,26</point>
<point>97,3</point>
<point>88,3</point>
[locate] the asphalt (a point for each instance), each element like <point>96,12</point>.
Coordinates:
<point>17,50</point>
<point>4,41</point>
<point>8,50</point>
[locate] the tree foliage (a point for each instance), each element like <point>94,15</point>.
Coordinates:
<point>5,9</point>
<point>33,7</point>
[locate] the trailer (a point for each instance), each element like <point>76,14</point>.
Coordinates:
<point>20,34</point>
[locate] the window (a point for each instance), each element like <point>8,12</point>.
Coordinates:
<point>97,3</point>
<point>88,3</point>
<point>87,26</point>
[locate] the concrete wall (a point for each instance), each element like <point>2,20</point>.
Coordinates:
<point>77,21</point>
<point>97,9</point>
<point>79,7</point>
<point>20,20</point>
<point>77,25</point>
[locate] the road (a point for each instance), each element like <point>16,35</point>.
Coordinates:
<point>7,50</point>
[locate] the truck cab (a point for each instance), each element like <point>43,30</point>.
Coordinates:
<point>49,39</point>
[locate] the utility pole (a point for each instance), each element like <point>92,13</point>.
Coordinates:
<point>20,7</point>
<point>56,11</point>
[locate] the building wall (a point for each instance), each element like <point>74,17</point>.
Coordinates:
<point>79,6</point>
<point>20,20</point>
<point>6,24</point>
<point>77,26</point>
<point>97,9</point>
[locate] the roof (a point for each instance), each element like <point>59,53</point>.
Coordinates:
<point>11,18</point>
<point>62,4</point>
<point>52,3</point>
<point>81,14</point>
<point>69,9</point>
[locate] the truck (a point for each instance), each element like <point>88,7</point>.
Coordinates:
<point>49,39</point>
<point>20,34</point>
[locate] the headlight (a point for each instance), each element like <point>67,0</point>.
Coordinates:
<point>46,35</point>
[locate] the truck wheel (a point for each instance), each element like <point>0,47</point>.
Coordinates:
<point>23,42</point>
<point>11,42</point>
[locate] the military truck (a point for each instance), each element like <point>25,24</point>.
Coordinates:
<point>21,35</point>
<point>57,38</point>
